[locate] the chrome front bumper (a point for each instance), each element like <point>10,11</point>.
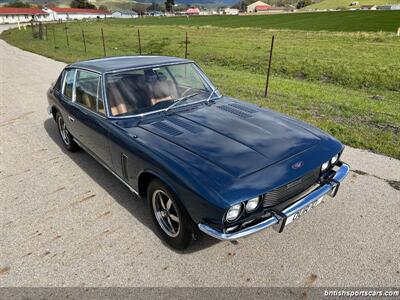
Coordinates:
<point>277,220</point>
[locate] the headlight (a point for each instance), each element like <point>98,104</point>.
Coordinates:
<point>325,166</point>
<point>233,212</point>
<point>334,159</point>
<point>252,204</point>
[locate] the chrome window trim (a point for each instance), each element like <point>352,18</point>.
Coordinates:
<point>73,83</point>
<point>202,75</point>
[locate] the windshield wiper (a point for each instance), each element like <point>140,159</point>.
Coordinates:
<point>212,93</point>
<point>177,101</point>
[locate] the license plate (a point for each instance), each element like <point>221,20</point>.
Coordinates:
<point>303,211</point>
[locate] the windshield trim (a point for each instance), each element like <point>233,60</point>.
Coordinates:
<point>196,66</point>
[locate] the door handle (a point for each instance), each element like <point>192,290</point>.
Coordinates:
<point>71,118</point>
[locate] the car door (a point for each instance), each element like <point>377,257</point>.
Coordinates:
<point>90,122</point>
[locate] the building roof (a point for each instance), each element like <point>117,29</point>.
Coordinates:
<point>126,12</point>
<point>257,3</point>
<point>263,7</point>
<point>193,10</point>
<point>21,11</point>
<point>110,64</point>
<point>68,10</point>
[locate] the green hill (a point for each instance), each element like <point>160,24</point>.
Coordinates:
<point>333,4</point>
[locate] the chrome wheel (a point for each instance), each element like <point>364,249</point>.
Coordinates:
<point>165,213</point>
<point>63,131</point>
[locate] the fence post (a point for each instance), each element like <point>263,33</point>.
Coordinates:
<point>54,37</point>
<point>186,45</point>
<point>40,30</point>
<point>33,35</point>
<point>47,38</point>
<point>66,34</point>
<point>269,66</point>
<point>84,40</point>
<point>140,45</point>
<point>104,44</point>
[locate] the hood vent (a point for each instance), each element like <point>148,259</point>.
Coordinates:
<point>184,124</point>
<point>235,111</point>
<point>245,108</point>
<point>167,128</point>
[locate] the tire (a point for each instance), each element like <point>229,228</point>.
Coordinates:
<point>66,138</point>
<point>180,235</point>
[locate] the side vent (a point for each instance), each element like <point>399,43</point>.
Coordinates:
<point>124,165</point>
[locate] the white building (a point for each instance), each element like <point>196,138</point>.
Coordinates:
<point>231,11</point>
<point>66,13</point>
<point>126,14</point>
<point>9,15</point>
<point>252,7</point>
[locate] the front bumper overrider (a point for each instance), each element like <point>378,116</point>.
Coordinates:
<point>330,187</point>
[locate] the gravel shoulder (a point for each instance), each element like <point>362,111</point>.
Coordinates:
<point>66,221</point>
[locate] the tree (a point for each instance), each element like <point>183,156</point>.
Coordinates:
<point>18,4</point>
<point>155,6</point>
<point>103,7</point>
<point>82,4</point>
<point>303,3</point>
<point>169,4</point>
<point>140,8</point>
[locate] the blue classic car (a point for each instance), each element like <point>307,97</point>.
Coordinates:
<point>202,160</point>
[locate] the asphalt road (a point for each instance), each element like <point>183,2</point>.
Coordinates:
<point>66,221</point>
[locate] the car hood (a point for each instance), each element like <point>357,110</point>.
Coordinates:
<point>237,137</point>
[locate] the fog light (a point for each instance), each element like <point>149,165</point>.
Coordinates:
<point>233,212</point>
<point>325,166</point>
<point>252,204</point>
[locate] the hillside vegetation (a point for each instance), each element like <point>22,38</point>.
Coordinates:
<point>333,4</point>
<point>346,83</point>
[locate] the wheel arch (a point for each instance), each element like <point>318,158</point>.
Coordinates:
<point>146,177</point>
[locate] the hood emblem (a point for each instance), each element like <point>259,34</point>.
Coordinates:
<point>297,165</point>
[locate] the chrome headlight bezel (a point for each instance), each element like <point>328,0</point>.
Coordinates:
<point>236,207</point>
<point>334,159</point>
<point>253,204</point>
<point>325,166</point>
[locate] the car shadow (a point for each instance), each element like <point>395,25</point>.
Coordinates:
<point>134,204</point>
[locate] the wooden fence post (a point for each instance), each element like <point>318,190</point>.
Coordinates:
<point>140,45</point>
<point>54,37</point>
<point>47,38</point>
<point>84,40</point>
<point>186,45</point>
<point>269,66</point>
<point>40,30</point>
<point>66,34</point>
<point>104,44</point>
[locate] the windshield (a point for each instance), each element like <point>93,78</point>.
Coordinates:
<point>145,90</point>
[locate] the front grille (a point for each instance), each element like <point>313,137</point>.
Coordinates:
<point>291,189</point>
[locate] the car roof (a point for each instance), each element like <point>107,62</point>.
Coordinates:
<point>116,63</point>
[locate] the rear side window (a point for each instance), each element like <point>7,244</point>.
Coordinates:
<point>69,83</point>
<point>87,90</point>
<point>57,85</point>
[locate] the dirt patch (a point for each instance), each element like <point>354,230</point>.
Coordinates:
<point>4,270</point>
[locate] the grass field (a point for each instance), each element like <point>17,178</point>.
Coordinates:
<point>346,83</point>
<point>333,4</point>
<point>329,21</point>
